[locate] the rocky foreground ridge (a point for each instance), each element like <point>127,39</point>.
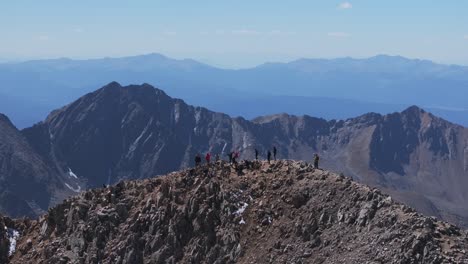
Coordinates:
<point>285,212</point>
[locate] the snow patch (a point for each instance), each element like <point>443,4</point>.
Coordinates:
<point>51,136</point>
<point>137,140</point>
<point>241,210</point>
<point>71,174</point>
<point>13,236</point>
<point>177,113</point>
<point>109,178</point>
<point>242,221</point>
<point>197,116</point>
<point>224,147</point>
<point>244,141</point>
<point>73,189</point>
<point>148,138</point>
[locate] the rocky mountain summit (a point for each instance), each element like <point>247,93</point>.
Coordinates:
<point>285,212</point>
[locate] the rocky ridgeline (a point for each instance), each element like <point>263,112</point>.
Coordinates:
<point>286,212</point>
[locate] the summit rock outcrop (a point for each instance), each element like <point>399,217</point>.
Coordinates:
<point>284,212</point>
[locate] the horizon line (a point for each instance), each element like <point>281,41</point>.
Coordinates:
<point>213,65</point>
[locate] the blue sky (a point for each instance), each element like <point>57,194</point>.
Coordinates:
<point>235,33</point>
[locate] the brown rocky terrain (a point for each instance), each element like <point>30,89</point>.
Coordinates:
<point>285,212</point>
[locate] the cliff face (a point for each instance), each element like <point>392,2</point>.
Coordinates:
<point>283,212</point>
<point>418,153</point>
<point>135,132</point>
<point>418,158</point>
<point>28,186</point>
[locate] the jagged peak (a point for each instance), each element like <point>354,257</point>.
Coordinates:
<point>416,112</point>
<point>6,120</point>
<point>271,118</point>
<point>3,117</point>
<point>414,109</point>
<point>134,88</point>
<point>283,116</point>
<point>112,85</point>
<point>367,117</point>
<point>149,87</point>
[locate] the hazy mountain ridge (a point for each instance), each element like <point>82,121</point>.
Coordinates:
<point>305,86</point>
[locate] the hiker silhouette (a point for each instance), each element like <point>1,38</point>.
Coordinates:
<point>316,161</point>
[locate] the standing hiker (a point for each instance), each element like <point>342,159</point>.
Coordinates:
<point>230,156</point>
<point>208,158</point>
<point>235,157</point>
<point>316,161</point>
<point>274,152</point>
<point>256,154</point>
<point>269,156</point>
<point>197,160</point>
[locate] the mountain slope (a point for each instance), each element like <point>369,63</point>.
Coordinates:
<point>284,212</point>
<point>133,132</point>
<point>127,132</point>
<point>28,186</point>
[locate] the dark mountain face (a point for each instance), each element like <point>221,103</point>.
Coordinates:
<point>393,140</point>
<point>128,132</point>
<point>28,185</point>
<point>133,132</point>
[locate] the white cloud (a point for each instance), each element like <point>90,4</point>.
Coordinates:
<point>280,33</point>
<point>245,32</point>
<point>276,32</point>
<point>249,32</point>
<point>338,34</point>
<point>170,33</point>
<point>43,38</point>
<point>345,5</point>
<point>78,30</point>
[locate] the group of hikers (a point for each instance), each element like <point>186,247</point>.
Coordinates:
<point>233,157</point>
<point>268,154</point>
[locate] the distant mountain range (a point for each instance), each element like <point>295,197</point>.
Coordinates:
<point>137,131</point>
<point>331,89</point>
